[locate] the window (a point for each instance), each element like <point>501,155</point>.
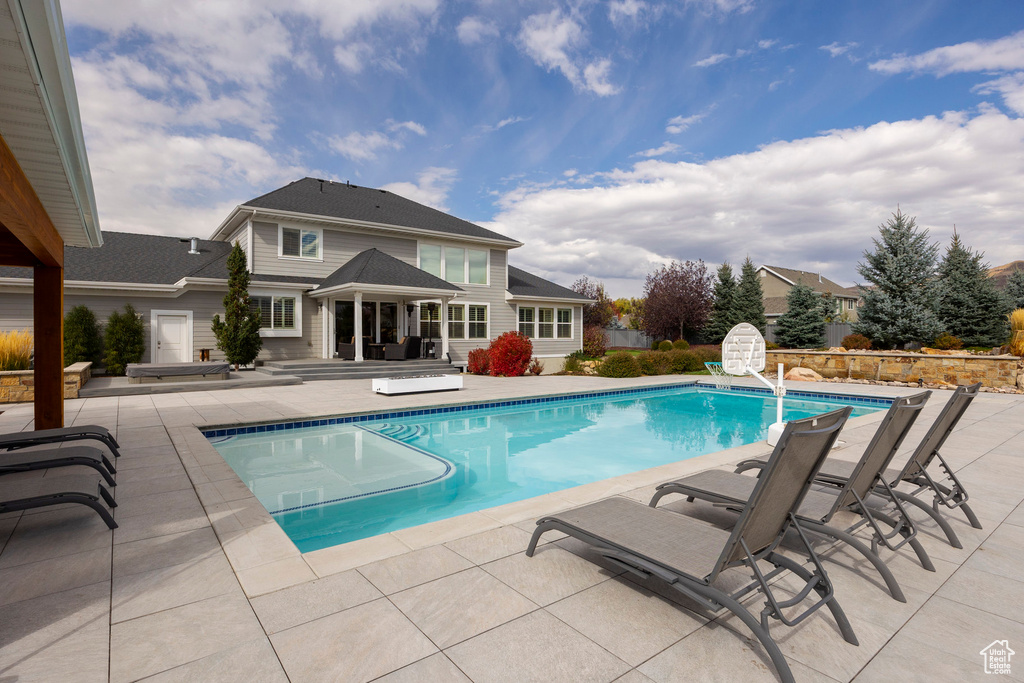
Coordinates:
<point>851,304</point>
<point>298,243</point>
<point>430,322</point>
<point>455,264</point>
<point>477,322</point>
<point>276,312</point>
<point>526,319</point>
<point>456,322</point>
<point>430,259</point>
<point>546,318</point>
<point>565,323</point>
<point>477,267</point>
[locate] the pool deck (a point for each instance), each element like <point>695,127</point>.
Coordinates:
<point>199,583</point>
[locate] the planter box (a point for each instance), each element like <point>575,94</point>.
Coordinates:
<point>414,385</point>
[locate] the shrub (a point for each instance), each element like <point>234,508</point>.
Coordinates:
<point>684,361</point>
<point>681,344</point>
<point>655,345</point>
<point>654,363</point>
<point>708,353</point>
<point>665,346</point>
<point>125,340</point>
<point>82,340</point>
<point>536,367</point>
<point>510,355</point>
<point>479,362</point>
<point>856,341</point>
<point>15,350</point>
<point>947,342</point>
<point>621,364</point>
<point>573,364</point>
<point>1017,332</point>
<point>593,341</point>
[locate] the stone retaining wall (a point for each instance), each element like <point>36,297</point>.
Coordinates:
<point>992,371</point>
<point>19,386</point>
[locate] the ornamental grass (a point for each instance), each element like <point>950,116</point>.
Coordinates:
<point>15,350</point>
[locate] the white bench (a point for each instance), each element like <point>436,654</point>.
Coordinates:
<point>413,385</point>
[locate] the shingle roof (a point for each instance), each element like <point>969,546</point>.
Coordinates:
<point>775,305</point>
<point>341,200</point>
<point>374,267</point>
<point>802,277</point>
<point>521,283</point>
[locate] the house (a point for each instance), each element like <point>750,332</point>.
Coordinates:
<point>329,262</point>
<point>776,283</point>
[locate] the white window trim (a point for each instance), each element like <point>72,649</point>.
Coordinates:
<point>153,315</point>
<point>297,332</point>
<point>572,323</point>
<point>319,244</point>
<point>520,322</point>
<point>554,324</point>
<point>465,305</point>
<point>465,262</point>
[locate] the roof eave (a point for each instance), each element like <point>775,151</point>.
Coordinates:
<point>385,289</point>
<point>524,297</point>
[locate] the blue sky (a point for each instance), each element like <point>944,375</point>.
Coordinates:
<point>609,137</point>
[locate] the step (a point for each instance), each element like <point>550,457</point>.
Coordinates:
<point>323,364</point>
<point>313,375</point>
<point>391,369</point>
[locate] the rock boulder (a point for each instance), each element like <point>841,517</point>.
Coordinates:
<point>803,375</point>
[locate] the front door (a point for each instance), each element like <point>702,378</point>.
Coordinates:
<point>171,338</point>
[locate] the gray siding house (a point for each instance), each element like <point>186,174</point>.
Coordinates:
<point>330,262</point>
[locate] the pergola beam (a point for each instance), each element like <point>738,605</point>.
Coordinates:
<point>23,216</point>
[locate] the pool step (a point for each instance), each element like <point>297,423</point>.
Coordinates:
<point>312,369</point>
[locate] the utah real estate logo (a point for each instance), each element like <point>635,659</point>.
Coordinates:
<point>997,657</point>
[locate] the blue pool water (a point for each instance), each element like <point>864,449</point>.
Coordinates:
<point>330,484</point>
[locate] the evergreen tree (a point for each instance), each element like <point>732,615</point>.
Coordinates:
<point>1015,289</point>
<point>900,308</point>
<point>239,335</point>
<point>725,312</point>
<point>750,297</point>
<point>82,340</point>
<point>802,326</point>
<point>125,340</point>
<point>969,305</point>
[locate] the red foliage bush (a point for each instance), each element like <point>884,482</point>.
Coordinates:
<point>479,362</point>
<point>855,341</point>
<point>593,342</point>
<point>510,355</point>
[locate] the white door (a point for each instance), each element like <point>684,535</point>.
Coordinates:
<point>172,338</point>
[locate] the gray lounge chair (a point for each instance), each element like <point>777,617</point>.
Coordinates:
<point>84,489</point>
<point>689,555</point>
<point>947,491</point>
<point>732,490</point>
<point>40,437</point>
<point>24,461</point>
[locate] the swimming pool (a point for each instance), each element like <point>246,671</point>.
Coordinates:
<point>336,480</point>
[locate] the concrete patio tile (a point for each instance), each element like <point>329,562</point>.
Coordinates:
<point>241,513</point>
<point>157,642</point>
<point>863,596</point>
<point>491,545</point>
<point>128,477</point>
<point>445,530</point>
<point>633,676</point>
<point>536,647</point>
<point>901,658</point>
<point>57,637</point>
<point>529,509</point>
<point>529,525</point>
<point>142,593</point>
<point>251,662</point>
<point>359,644</point>
<point>550,575</point>
<point>54,575</point>
<point>53,533</point>
<point>159,523</point>
<point>306,602</point>
<point>904,565</point>
<point>131,461</point>
<point>632,623</point>
<point>1016,517</point>
<point>411,569</point>
<point>149,487</point>
<point>433,668</point>
<point>347,556</point>
<point>999,554</point>
<point>164,551</point>
<point>170,501</point>
<point>460,606</point>
<point>987,592</point>
<point>257,546</point>
<point>274,576</point>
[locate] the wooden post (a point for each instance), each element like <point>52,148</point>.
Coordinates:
<point>48,315</point>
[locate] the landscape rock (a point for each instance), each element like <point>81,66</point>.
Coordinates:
<point>803,375</point>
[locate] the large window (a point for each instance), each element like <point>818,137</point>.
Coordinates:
<point>477,267</point>
<point>430,321</point>
<point>430,259</point>
<point>477,322</point>
<point>455,264</point>
<point>456,322</point>
<point>467,318</point>
<point>527,317</point>
<point>545,323</point>
<point>565,323</point>
<point>276,312</point>
<point>546,320</point>
<point>300,243</point>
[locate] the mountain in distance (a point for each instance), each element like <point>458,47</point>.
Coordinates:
<point>1002,273</point>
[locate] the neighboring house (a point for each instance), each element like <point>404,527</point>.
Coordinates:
<point>329,261</point>
<point>776,283</point>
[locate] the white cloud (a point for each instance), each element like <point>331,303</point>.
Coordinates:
<point>473,30</point>
<point>766,44</point>
<point>412,126</point>
<point>720,57</point>
<point>362,146</point>
<point>712,60</point>
<point>724,6</point>
<point>835,49</point>
<point>814,202</point>
<point>432,187</point>
<point>553,41</point>
<point>595,76</point>
<point>511,120</point>
<point>624,11</point>
<point>1004,54</point>
<point>1011,87</point>
<point>666,148</point>
<point>677,124</point>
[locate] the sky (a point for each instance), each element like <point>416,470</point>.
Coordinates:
<point>609,137</point>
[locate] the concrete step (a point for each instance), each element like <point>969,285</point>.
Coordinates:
<point>312,364</point>
<point>371,373</point>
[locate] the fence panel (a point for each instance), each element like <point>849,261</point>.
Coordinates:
<point>634,339</point>
<point>834,333</point>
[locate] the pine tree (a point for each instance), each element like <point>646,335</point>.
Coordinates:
<point>900,308</point>
<point>969,305</point>
<point>239,335</point>
<point>750,297</point>
<point>82,341</point>
<point>1015,289</point>
<point>124,339</point>
<point>725,312</point>
<point>802,326</point>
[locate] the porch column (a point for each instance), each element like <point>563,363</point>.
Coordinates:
<point>444,327</point>
<point>325,324</point>
<point>358,326</point>
<point>48,324</point>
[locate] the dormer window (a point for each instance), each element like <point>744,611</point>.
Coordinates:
<point>300,243</point>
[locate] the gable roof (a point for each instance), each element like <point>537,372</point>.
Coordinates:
<point>815,281</point>
<point>374,267</point>
<point>316,197</point>
<point>523,284</point>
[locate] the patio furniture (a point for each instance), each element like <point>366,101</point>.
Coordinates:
<point>732,490</point>
<point>150,373</point>
<point>690,555</point>
<point>39,437</point>
<point>948,490</point>
<point>26,461</point>
<point>84,489</point>
<point>347,350</point>
<point>408,348</point>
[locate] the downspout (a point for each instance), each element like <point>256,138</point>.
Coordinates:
<point>249,238</point>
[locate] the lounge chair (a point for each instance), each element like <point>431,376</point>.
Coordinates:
<point>409,347</point>
<point>948,490</point>
<point>84,489</point>
<point>25,461</point>
<point>731,490</point>
<point>689,555</point>
<point>41,437</point>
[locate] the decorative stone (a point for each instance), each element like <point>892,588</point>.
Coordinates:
<point>803,375</point>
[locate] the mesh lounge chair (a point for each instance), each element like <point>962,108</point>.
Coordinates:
<point>947,491</point>
<point>819,506</point>
<point>409,347</point>
<point>689,555</point>
<point>24,461</point>
<point>41,437</point>
<point>35,493</point>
